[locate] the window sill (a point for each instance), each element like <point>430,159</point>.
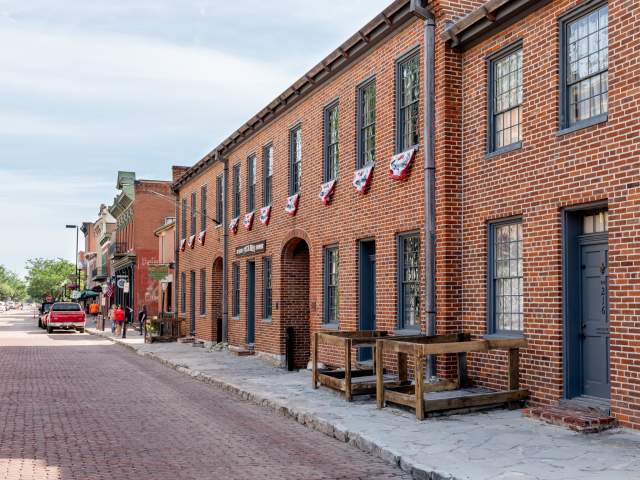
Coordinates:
<point>405,332</point>
<point>330,326</point>
<point>267,320</point>
<point>584,124</point>
<point>500,151</point>
<point>235,318</point>
<point>203,315</point>
<point>503,335</point>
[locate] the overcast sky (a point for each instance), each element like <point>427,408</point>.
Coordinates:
<point>90,87</point>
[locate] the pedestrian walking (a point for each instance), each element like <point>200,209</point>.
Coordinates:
<point>112,319</point>
<point>142,319</point>
<point>128,320</point>
<point>118,315</point>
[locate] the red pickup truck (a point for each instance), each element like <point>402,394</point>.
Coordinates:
<point>65,316</point>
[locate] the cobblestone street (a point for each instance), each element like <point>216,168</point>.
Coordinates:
<point>76,407</point>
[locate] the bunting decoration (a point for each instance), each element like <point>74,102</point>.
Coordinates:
<point>265,215</point>
<point>233,226</point>
<point>326,191</point>
<point>201,237</point>
<point>192,241</point>
<point>400,164</point>
<point>361,178</point>
<point>183,244</point>
<point>292,205</point>
<point>248,221</point>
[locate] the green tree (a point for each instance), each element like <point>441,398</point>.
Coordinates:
<point>45,276</point>
<point>11,286</point>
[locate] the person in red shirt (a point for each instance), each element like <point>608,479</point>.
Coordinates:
<point>118,316</point>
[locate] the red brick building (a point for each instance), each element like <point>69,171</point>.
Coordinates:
<point>138,209</point>
<point>535,152</point>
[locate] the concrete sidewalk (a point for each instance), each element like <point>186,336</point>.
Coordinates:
<point>499,444</point>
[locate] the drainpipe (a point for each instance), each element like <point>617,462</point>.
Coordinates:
<point>225,253</point>
<point>176,259</point>
<point>429,171</point>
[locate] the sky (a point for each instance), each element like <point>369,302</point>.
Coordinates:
<point>90,87</point>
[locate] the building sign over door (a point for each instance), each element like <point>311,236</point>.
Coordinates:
<point>251,249</point>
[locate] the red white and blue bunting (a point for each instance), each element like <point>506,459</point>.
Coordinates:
<point>233,226</point>
<point>247,222</point>
<point>183,244</point>
<point>265,215</point>
<point>202,237</point>
<point>361,178</point>
<point>326,191</point>
<point>400,164</point>
<point>192,241</point>
<point>292,205</point>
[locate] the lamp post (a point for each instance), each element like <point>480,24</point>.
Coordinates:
<point>76,254</point>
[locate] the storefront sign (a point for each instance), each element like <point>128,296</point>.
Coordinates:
<point>125,289</point>
<point>158,271</point>
<point>121,282</point>
<point>252,249</point>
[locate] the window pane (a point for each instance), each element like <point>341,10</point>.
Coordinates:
<point>332,295</point>
<point>507,94</point>
<point>507,276</point>
<point>410,288</point>
<point>409,94</point>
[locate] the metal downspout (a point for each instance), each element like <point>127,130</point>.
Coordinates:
<point>225,254</point>
<point>429,173</point>
<point>176,267</point>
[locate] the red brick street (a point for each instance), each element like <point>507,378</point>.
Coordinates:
<point>74,407</point>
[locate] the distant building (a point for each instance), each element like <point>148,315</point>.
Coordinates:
<point>165,266</point>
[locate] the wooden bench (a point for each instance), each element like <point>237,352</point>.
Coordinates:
<point>350,381</point>
<point>424,397</point>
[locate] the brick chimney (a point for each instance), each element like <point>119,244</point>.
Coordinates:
<point>177,171</point>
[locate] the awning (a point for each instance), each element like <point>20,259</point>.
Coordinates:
<point>86,294</point>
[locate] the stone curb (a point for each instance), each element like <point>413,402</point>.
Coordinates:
<point>307,418</point>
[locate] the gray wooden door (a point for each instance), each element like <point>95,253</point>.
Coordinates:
<point>594,302</point>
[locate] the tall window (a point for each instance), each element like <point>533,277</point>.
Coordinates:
<point>331,145</point>
<point>409,281</point>
<point>203,208</point>
<point>331,293</point>
<point>366,123</point>
<point>219,197</point>
<point>236,191</point>
<point>505,98</point>
<point>203,291</point>
<point>585,47</point>
<point>251,183</point>
<point>266,288</point>
<point>194,214</point>
<point>183,292</point>
<point>505,277</point>
<point>235,288</point>
<point>267,174</point>
<point>184,218</point>
<point>295,159</point>
<point>408,98</point>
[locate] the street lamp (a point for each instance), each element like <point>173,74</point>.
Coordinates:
<point>77,271</point>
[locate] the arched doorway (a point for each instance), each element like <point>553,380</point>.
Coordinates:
<point>216,299</point>
<point>294,297</point>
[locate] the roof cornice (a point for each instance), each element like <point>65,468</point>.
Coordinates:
<point>383,25</point>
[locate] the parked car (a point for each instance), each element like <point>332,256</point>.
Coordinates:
<point>65,316</point>
<point>44,310</point>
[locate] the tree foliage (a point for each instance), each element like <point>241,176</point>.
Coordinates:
<point>46,276</point>
<point>12,287</point>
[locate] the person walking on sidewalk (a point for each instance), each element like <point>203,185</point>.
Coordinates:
<point>128,320</point>
<point>111,317</point>
<point>118,316</point>
<point>142,318</point>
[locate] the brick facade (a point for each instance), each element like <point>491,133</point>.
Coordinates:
<point>538,182</point>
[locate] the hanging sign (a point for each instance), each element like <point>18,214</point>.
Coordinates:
<point>251,249</point>
<point>125,288</point>
<point>158,271</point>
<point>121,282</point>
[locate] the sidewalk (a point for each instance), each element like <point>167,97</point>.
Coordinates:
<point>493,445</point>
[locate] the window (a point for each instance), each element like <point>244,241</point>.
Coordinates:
<point>203,208</point>
<point>236,191</point>
<point>251,183</point>
<point>331,144</point>
<point>584,73</point>
<point>295,160</point>
<point>366,123</point>
<point>184,218</point>
<point>266,288</point>
<point>597,222</point>
<point>505,277</point>
<point>183,292</point>
<point>331,294</point>
<point>203,291</point>
<point>267,174</point>
<point>409,281</point>
<point>219,197</point>
<point>194,214</point>
<point>505,98</point>
<point>408,98</point>
<point>235,287</point>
